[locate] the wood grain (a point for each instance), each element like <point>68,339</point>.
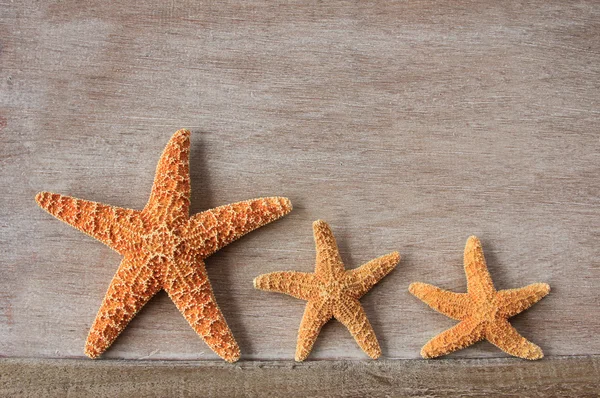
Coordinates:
<point>407,126</point>
<point>558,377</point>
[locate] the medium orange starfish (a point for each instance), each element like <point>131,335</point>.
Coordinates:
<point>483,311</point>
<point>331,292</point>
<point>164,248</point>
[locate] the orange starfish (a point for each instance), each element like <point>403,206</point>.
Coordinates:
<point>164,248</point>
<point>331,292</point>
<point>483,311</point>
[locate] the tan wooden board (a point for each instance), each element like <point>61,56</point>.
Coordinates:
<point>406,125</point>
<point>557,377</point>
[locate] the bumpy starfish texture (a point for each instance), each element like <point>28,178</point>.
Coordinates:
<point>331,292</point>
<point>164,248</point>
<point>483,311</point>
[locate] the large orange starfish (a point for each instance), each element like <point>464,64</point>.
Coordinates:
<point>164,248</point>
<point>483,311</point>
<point>331,292</point>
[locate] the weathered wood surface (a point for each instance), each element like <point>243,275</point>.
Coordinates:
<point>406,125</point>
<point>560,377</point>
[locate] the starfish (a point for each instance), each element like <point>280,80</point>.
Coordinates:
<point>331,292</point>
<point>164,248</point>
<point>483,311</point>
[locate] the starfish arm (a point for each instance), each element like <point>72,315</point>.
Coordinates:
<point>353,316</point>
<point>189,288</point>
<point>213,229</point>
<point>464,334</point>
<point>296,284</point>
<point>454,305</point>
<point>504,336</point>
<point>515,301</point>
<point>329,262</point>
<point>367,275</point>
<point>170,196</point>
<point>134,283</point>
<point>316,314</point>
<point>118,228</point>
<point>479,281</point>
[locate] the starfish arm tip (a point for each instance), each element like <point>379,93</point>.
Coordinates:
<point>42,199</point>
<point>473,239</point>
<point>91,352</point>
<point>537,354</point>
<point>255,282</point>
<point>40,196</point>
<point>232,358</point>
<point>473,245</point>
<point>395,257</point>
<point>540,290</point>
<point>415,287</point>
<point>429,351</point>
<point>533,354</point>
<point>181,135</point>
<point>292,283</point>
<point>319,223</point>
<point>182,132</point>
<point>301,354</point>
<point>545,288</point>
<point>375,355</point>
<point>515,301</point>
<point>412,286</point>
<point>286,204</point>
<point>261,282</point>
<point>504,336</point>
<point>426,353</point>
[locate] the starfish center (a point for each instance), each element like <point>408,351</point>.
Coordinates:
<point>163,241</point>
<point>487,310</point>
<point>333,289</point>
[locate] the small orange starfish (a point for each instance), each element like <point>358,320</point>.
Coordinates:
<point>331,292</point>
<point>483,311</point>
<point>164,248</point>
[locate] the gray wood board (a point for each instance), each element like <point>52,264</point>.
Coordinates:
<point>560,377</point>
<point>406,125</point>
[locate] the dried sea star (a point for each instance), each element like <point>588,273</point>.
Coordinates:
<point>483,311</point>
<point>164,248</point>
<point>331,292</point>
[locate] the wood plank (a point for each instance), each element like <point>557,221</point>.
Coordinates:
<point>406,125</point>
<point>560,377</point>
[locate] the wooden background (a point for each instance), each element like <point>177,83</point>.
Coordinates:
<point>407,126</point>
